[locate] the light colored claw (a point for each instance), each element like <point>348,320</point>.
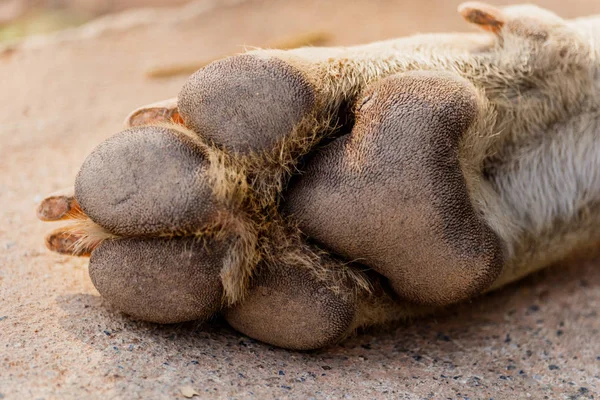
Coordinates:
<point>159,112</point>
<point>64,241</point>
<point>484,15</point>
<point>59,206</point>
<point>78,238</point>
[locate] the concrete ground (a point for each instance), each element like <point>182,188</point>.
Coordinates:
<point>61,95</point>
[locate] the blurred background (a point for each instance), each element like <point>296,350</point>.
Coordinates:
<point>19,18</point>
<point>224,27</point>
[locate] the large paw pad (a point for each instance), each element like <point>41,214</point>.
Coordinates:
<point>392,194</point>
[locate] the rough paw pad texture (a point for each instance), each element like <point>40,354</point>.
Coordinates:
<point>160,280</point>
<point>245,103</point>
<point>392,195</point>
<point>146,181</point>
<point>289,308</point>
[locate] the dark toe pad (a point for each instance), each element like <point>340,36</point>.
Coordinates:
<point>245,103</point>
<point>160,280</point>
<point>146,181</point>
<point>290,308</point>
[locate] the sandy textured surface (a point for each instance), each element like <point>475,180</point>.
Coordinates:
<point>59,97</point>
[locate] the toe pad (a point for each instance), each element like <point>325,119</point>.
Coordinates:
<point>160,280</point>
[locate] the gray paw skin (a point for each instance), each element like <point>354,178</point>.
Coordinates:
<point>392,193</point>
<point>168,260</point>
